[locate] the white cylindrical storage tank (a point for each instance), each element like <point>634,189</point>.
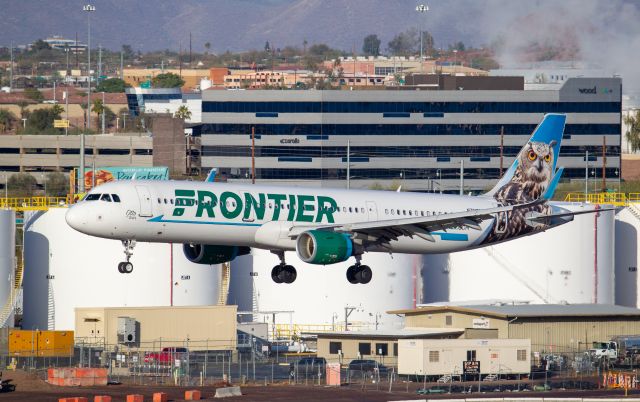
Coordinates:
<point>65,269</point>
<point>320,294</point>
<point>627,254</point>
<point>572,263</point>
<point>7,266</point>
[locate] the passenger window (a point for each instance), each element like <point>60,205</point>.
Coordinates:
<point>171,201</point>
<point>362,210</point>
<point>410,213</point>
<point>106,197</point>
<point>270,205</point>
<point>115,197</point>
<point>350,210</point>
<point>159,201</point>
<point>393,212</point>
<point>386,211</point>
<point>344,209</point>
<point>398,211</point>
<point>165,200</point>
<point>404,212</point>
<point>92,197</point>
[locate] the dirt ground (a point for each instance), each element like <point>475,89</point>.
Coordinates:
<point>30,388</point>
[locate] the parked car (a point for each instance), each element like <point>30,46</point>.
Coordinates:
<point>166,356</point>
<point>308,365</point>
<point>368,366</point>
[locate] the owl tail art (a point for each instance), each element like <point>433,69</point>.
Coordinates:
<point>531,178</point>
<point>533,173</point>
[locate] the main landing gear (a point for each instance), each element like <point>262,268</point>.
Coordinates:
<point>359,273</point>
<point>126,267</point>
<point>283,273</point>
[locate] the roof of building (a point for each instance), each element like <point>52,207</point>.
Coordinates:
<point>530,310</point>
<point>394,333</point>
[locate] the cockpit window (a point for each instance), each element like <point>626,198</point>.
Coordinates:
<point>115,197</point>
<point>106,197</point>
<point>93,197</point>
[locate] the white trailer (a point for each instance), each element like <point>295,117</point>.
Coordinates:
<point>447,357</point>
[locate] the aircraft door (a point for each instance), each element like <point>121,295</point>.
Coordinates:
<point>372,210</point>
<point>144,196</point>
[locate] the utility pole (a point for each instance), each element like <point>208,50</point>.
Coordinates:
<point>347,312</point>
<point>604,163</point>
<point>89,9</point>
<point>11,70</point>
<point>99,64</point>
<point>501,148</point>
<point>102,114</point>
<point>189,49</point>
<point>253,155</point>
<point>461,176</point>
<point>121,65</point>
<point>586,174</point>
<point>348,164</point>
<point>76,52</point>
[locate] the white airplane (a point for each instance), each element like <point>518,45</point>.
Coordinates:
<point>218,221</point>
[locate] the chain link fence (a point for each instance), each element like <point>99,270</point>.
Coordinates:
<point>196,363</point>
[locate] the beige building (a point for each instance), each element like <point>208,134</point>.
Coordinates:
<point>197,327</point>
<point>381,346</point>
<point>251,79</point>
<point>191,76</point>
<point>436,357</point>
<point>553,328</point>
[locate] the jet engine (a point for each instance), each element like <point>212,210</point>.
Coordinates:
<point>323,247</point>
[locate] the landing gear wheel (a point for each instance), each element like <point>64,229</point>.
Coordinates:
<point>351,274</point>
<point>127,267</point>
<point>290,274</point>
<point>276,274</point>
<point>364,274</point>
<point>120,264</point>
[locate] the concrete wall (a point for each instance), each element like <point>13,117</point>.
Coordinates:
<point>198,328</point>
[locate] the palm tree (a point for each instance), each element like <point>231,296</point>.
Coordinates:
<point>183,112</point>
<point>208,47</point>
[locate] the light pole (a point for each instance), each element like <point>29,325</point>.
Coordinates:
<point>102,114</point>
<point>422,9</point>
<point>439,173</point>
<point>89,9</point>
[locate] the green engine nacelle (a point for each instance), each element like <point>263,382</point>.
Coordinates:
<point>212,254</point>
<point>323,247</point>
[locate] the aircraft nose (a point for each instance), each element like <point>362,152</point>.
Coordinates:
<point>76,217</point>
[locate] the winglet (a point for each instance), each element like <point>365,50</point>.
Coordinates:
<point>548,194</point>
<point>211,177</point>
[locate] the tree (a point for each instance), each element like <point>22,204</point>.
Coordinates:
<point>371,45</point>
<point>57,184</point>
<point>127,52</point>
<point>167,80</point>
<point>633,130</point>
<point>207,47</point>
<point>267,47</point>
<point>40,45</point>
<point>33,94</point>
<point>22,185</point>
<point>7,120</point>
<point>427,43</point>
<point>109,116</point>
<point>40,121</point>
<point>24,112</point>
<point>183,112</point>
<point>112,85</point>
<point>404,43</point>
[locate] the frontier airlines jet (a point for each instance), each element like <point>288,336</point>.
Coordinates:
<point>217,222</point>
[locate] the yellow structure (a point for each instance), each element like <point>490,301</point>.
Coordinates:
<point>25,343</point>
<point>191,77</point>
<point>617,199</point>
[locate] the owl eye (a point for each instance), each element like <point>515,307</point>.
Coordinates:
<point>532,155</point>
<point>547,158</point>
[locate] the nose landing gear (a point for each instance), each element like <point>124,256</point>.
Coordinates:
<point>126,267</point>
<point>283,273</point>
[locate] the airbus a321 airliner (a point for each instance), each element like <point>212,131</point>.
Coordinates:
<point>217,222</point>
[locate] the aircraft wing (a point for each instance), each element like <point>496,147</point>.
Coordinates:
<point>383,231</point>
